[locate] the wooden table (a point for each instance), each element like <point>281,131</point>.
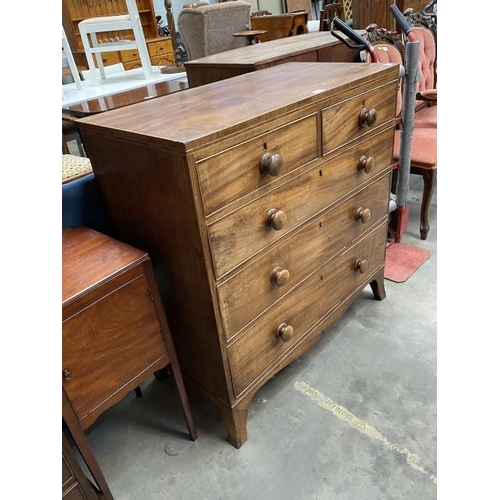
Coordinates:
<point>252,36</point>
<point>125,98</point>
<point>319,46</point>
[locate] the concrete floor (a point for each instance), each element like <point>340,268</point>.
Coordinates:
<point>353,419</point>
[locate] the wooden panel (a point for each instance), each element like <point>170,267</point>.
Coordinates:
<point>299,5</point>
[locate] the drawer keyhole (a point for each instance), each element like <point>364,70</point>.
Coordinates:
<point>67,374</point>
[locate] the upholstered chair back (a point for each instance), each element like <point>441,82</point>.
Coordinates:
<point>426,58</point>
<point>209,29</point>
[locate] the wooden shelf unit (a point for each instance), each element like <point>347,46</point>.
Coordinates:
<point>160,48</point>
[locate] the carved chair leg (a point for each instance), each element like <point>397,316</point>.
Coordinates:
<point>429,177</point>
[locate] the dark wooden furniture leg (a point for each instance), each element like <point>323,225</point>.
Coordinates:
<point>83,446</point>
<point>429,177</point>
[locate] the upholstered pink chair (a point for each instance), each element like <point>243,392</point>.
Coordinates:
<point>426,110</point>
<point>424,27</point>
<point>423,159</point>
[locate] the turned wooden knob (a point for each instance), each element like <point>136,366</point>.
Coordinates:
<point>368,117</point>
<point>284,332</point>
<point>276,219</point>
<point>271,164</point>
<point>67,374</point>
<point>361,265</point>
<point>363,214</point>
<point>366,163</point>
<point>280,276</point>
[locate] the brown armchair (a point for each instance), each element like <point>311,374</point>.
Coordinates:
<point>209,29</point>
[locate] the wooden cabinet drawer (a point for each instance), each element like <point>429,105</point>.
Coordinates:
<point>341,123</point>
<point>238,236</point>
<point>162,47</point>
<point>130,55</point>
<point>163,60</point>
<point>108,58</point>
<point>93,340</point>
<point>235,172</point>
<point>250,292</point>
<point>255,352</point>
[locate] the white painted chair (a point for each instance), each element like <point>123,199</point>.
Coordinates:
<point>130,21</point>
<point>71,62</point>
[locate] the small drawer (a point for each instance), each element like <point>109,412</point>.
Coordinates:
<point>261,346</point>
<point>160,48</point>
<point>109,58</point>
<point>249,293</point>
<point>240,235</point>
<point>238,171</point>
<point>130,55</point>
<point>167,59</point>
<point>358,116</point>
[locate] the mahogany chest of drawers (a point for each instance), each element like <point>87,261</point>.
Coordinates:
<point>264,208</point>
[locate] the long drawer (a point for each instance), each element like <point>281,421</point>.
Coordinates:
<point>254,353</point>
<point>250,292</point>
<point>238,236</point>
<point>231,174</point>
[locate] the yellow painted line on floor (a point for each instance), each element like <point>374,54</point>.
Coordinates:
<point>342,413</point>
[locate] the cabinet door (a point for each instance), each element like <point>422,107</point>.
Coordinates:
<point>108,344</point>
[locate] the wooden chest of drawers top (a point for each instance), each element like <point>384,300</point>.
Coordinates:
<point>209,114</point>
<point>81,274</point>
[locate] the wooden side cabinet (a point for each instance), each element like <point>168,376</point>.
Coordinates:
<point>160,48</point>
<point>114,331</point>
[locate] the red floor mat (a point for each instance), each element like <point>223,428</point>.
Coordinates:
<point>402,260</point>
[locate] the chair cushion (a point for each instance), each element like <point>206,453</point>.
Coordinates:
<point>423,147</point>
<point>426,117</point>
<point>82,205</point>
<point>74,167</point>
<point>106,19</point>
